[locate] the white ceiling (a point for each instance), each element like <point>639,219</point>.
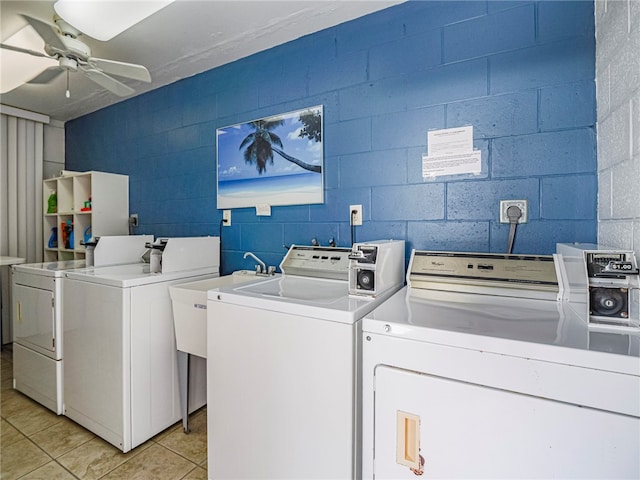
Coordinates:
<point>183,39</point>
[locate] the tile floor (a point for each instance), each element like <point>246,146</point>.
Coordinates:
<point>36,444</point>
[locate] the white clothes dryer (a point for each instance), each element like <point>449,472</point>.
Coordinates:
<point>282,369</point>
<point>478,369</point>
<point>37,330</point>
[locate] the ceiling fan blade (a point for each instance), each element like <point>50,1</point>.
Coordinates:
<point>23,50</point>
<point>46,31</point>
<point>46,76</point>
<point>107,82</point>
<point>121,69</point>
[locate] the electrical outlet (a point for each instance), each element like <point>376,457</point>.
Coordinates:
<point>226,218</point>
<point>355,218</point>
<point>133,219</point>
<point>521,204</point>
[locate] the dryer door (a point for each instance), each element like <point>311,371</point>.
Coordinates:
<point>441,428</point>
<point>33,319</point>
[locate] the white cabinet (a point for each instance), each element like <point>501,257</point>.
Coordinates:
<point>464,430</point>
<point>87,204</point>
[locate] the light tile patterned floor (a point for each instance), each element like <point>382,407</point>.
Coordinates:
<point>36,444</point>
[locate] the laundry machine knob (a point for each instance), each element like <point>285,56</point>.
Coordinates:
<point>387,328</point>
<point>366,280</point>
<point>610,302</point>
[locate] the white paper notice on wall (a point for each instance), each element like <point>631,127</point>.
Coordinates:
<point>263,210</point>
<point>450,152</point>
<point>451,164</point>
<point>449,141</point>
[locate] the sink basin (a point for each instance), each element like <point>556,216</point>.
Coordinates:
<point>189,302</point>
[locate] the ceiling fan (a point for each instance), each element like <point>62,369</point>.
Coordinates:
<point>62,44</point>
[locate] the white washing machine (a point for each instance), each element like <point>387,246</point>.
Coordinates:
<point>282,368</point>
<point>120,375</point>
<point>37,317</point>
<point>478,369</point>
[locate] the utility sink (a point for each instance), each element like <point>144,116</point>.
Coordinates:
<point>190,309</point>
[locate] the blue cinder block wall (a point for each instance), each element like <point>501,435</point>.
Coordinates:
<point>521,73</point>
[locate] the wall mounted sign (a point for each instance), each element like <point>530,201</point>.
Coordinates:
<point>276,160</point>
<point>450,152</point>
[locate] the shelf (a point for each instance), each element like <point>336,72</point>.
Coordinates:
<point>109,196</point>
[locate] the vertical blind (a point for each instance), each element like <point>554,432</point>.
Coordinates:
<point>21,154</point>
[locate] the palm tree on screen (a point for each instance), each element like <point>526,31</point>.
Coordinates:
<point>263,142</point>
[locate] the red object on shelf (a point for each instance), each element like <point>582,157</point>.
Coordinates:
<point>85,209</point>
<point>66,229</point>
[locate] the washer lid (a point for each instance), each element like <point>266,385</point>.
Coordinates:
<point>309,297</point>
<point>132,275</point>
<point>538,329</point>
<point>50,269</point>
<point>301,289</point>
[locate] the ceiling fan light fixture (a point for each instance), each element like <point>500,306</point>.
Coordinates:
<point>17,68</point>
<point>104,19</point>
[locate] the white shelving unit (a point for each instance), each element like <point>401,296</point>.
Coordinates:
<point>106,214</point>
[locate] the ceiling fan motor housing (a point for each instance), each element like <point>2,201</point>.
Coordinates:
<point>76,48</point>
<point>68,63</point>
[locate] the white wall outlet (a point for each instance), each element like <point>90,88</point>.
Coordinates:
<point>355,218</point>
<point>226,218</point>
<point>521,204</point>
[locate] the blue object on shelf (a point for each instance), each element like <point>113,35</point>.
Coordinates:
<point>53,239</point>
<point>87,234</point>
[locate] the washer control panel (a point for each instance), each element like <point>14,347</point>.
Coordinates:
<point>317,262</point>
<point>483,269</point>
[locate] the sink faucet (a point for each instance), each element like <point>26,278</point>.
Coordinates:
<point>262,268</point>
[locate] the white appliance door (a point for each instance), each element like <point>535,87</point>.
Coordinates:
<point>34,316</point>
<point>97,359</point>
<point>453,429</point>
<point>38,376</point>
<point>280,395</point>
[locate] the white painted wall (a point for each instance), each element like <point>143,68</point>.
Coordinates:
<point>53,150</point>
<point>618,102</point>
